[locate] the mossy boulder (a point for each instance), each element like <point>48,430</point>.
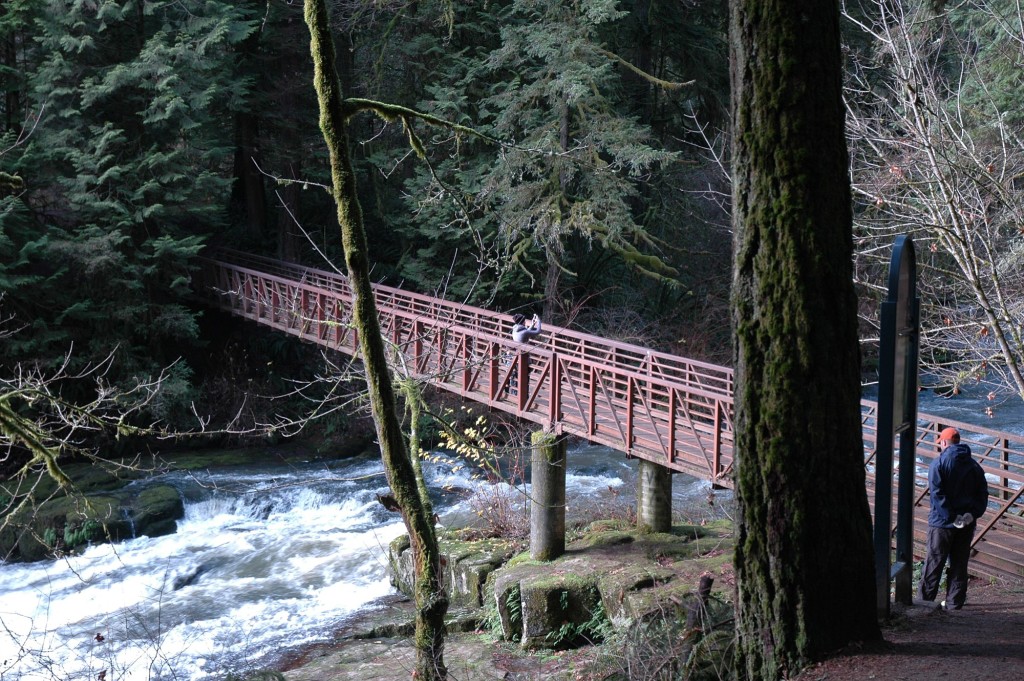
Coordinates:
<point>548,610</point>
<point>610,578</point>
<point>156,510</point>
<point>66,523</point>
<point>629,592</point>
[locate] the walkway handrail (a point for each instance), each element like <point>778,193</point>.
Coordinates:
<point>671,410</point>
<point>705,375</point>
<point>650,405</point>
<point>999,537</point>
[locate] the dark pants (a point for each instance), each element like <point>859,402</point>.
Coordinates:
<point>954,544</point>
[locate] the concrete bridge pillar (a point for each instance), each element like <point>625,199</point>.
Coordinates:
<point>654,497</point>
<point>547,496</point>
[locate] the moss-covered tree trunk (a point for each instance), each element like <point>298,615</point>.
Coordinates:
<point>804,555</point>
<point>431,601</point>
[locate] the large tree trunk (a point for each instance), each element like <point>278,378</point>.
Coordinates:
<point>248,196</point>
<point>804,556</point>
<point>13,115</point>
<point>431,600</point>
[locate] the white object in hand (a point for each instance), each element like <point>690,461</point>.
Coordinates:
<point>963,520</point>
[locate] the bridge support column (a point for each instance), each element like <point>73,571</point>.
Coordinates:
<point>547,496</point>
<point>654,497</point>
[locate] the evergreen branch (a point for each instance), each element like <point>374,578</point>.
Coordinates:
<point>414,140</point>
<point>664,84</point>
<point>562,268</point>
<point>12,182</point>
<point>649,265</point>
<point>660,278</point>
<point>519,250</point>
<point>389,113</point>
<point>464,207</point>
<point>652,240</point>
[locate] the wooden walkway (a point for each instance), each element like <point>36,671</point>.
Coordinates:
<point>666,409</point>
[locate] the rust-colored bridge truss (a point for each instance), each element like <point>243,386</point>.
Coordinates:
<point>670,410</point>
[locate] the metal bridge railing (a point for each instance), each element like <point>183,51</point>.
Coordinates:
<point>651,405</point>
<point>999,538</point>
<point>670,410</point>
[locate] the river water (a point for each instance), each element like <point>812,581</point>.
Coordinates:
<point>266,560</point>
<point>974,405</point>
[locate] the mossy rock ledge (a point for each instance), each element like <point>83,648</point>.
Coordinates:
<point>610,579</point>
<point>67,524</point>
<point>467,565</point>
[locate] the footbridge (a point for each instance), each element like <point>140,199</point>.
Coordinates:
<point>664,409</point>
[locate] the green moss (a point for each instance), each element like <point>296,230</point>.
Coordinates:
<point>571,581</point>
<point>608,526</point>
<point>553,446</point>
<point>523,558</point>
<point>634,578</point>
<point>458,550</point>
<point>156,509</point>
<point>158,495</point>
<point>399,544</point>
<point>592,540</point>
<point>67,524</point>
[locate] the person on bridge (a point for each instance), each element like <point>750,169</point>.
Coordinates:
<point>959,496</point>
<point>521,333</point>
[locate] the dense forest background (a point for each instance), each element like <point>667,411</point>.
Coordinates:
<point>134,134</point>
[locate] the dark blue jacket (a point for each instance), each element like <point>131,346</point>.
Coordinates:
<point>957,484</point>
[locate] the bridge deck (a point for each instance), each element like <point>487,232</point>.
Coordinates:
<point>670,410</point>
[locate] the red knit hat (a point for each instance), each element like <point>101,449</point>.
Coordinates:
<point>949,434</point>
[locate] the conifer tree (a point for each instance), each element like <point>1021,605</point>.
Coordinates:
<point>555,96</point>
<point>537,75</point>
<point>124,174</point>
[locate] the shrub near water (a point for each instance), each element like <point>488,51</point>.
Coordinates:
<point>501,506</point>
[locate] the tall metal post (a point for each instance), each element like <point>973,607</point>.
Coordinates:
<point>897,414</point>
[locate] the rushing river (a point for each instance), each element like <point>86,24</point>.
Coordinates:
<point>975,405</point>
<point>264,561</point>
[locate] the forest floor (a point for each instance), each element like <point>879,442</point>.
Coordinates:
<point>983,641</point>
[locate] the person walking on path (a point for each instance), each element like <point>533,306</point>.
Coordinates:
<point>959,496</point>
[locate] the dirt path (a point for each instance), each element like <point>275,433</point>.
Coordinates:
<point>983,641</point>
